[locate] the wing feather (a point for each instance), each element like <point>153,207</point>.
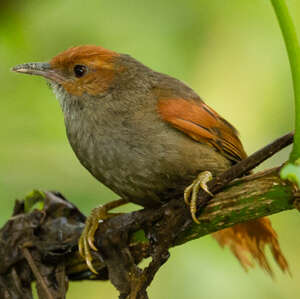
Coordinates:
<point>203,124</point>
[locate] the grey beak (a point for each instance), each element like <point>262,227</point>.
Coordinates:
<point>40,69</point>
<point>33,68</point>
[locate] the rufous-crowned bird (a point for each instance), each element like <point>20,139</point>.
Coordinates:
<point>147,136</point>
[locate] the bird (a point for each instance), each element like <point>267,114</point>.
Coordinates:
<point>149,138</point>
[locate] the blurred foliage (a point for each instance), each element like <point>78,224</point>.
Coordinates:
<point>230,52</point>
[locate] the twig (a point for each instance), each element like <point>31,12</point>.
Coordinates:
<point>61,279</point>
<point>244,167</point>
<point>36,273</point>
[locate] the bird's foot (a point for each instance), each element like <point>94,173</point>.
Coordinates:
<point>86,240</point>
<point>191,192</point>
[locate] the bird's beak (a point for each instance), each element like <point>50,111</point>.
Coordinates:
<point>40,69</point>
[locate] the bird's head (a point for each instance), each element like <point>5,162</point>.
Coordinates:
<point>82,70</point>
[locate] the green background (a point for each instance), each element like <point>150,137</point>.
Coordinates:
<point>231,52</point>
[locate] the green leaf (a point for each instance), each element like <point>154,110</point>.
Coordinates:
<point>291,172</point>
<point>34,200</point>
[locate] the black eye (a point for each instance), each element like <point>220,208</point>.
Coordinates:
<point>79,70</point>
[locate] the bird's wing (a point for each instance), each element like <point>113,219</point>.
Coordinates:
<point>200,122</point>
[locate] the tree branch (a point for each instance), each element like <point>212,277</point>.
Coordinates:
<point>249,198</point>
<point>245,199</point>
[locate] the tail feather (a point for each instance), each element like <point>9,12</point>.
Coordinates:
<point>250,239</point>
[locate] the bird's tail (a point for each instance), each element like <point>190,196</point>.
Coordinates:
<point>249,239</point>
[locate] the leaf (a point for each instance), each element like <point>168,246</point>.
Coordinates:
<point>291,172</point>
<point>34,200</point>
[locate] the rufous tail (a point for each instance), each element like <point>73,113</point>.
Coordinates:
<point>249,239</point>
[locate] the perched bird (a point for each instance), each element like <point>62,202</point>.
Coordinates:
<point>146,136</point>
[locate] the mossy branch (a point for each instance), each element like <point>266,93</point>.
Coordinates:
<point>245,199</point>
<point>249,198</point>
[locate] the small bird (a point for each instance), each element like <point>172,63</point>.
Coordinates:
<point>148,137</point>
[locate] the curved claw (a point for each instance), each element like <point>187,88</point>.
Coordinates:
<point>90,235</point>
<point>86,240</point>
<point>80,248</point>
<point>200,182</point>
<point>88,257</point>
<point>187,193</point>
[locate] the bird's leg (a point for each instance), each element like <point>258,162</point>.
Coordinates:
<point>86,240</point>
<point>191,192</point>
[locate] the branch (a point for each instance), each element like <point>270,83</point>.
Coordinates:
<point>52,232</point>
<point>244,166</point>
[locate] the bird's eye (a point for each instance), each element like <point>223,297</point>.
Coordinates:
<point>79,70</point>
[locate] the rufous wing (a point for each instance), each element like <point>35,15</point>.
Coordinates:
<point>203,124</point>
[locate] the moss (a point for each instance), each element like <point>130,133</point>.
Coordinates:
<point>138,236</point>
<point>277,199</point>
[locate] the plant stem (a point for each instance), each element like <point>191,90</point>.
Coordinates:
<point>292,45</point>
